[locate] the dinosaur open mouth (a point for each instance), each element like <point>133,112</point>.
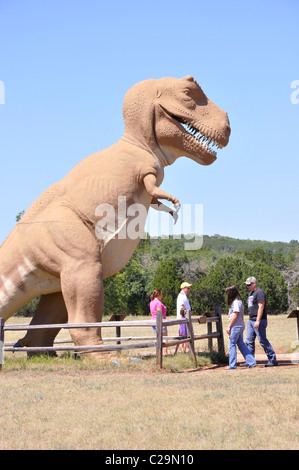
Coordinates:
<point>204,139</point>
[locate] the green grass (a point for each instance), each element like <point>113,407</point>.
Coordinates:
<point>58,407</point>
<point>62,403</point>
<point>113,362</point>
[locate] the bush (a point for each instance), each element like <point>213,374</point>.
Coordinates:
<point>28,309</point>
<point>168,278</point>
<point>210,291</point>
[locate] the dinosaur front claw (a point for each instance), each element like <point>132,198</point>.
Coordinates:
<point>174,212</point>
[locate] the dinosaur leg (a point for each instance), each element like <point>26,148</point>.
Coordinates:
<point>50,310</point>
<point>82,288</point>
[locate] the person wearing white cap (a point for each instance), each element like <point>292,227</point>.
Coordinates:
<point>257,322</point>
<point>182,299</point>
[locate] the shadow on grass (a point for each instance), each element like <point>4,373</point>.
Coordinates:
<point>178,363</point>
<point>182,362</point>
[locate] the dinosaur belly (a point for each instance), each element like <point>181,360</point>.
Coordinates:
<point>116,255</point>
<point>119,231</point>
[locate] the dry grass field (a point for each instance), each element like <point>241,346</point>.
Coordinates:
<point>61,403</point>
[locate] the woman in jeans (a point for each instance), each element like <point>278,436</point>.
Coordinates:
<point>235,328</point>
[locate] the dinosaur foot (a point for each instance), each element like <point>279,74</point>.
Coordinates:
<point>36,353</point>
<point>92,354</point>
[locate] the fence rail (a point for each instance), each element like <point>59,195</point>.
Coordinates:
<point>159,341</point>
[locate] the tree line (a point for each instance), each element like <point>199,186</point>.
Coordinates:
<point>164,264</point>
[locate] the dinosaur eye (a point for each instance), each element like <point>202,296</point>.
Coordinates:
<point>187,92</point>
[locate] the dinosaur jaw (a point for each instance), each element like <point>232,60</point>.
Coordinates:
<point>198,142</point>
<point>203,141</point>
<point>207,142</point>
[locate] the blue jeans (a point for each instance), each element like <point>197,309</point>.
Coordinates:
<point>252,333</point>
<point>164,329</point>
<point>236,339</point>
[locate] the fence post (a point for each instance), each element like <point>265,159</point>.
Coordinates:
<point>159,338</point>
<point>210,340</point>
<point>118,329</point>
<point>190,332</point>
<point>1,342</point>
<point>219,328</point>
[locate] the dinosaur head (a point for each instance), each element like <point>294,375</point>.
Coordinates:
<point>175,118</point>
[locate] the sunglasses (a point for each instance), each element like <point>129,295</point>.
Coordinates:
<point>248,285</point>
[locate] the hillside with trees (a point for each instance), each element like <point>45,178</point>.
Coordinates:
<point>165,264</point>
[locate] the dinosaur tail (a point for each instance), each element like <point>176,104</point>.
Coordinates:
<point>14,272</point>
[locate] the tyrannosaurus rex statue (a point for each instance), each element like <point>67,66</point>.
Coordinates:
<point>59,249</point>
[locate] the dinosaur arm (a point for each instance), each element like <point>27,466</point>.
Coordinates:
<point>159,206</point>
<point>150,183</point>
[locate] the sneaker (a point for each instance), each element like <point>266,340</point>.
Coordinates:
<point>17,345</point>
<point>244,364</point>
<point>230,368</point>
<point>271,364</point>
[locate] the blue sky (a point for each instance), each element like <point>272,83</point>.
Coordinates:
<point>65,66</point>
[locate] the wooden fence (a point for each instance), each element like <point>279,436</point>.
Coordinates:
<point>159,341</point>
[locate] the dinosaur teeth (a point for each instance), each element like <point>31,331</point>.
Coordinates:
<point>205,140</point>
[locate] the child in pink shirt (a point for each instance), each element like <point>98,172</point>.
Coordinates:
<point>154,304</point>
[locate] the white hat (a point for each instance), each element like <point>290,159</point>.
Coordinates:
<point>250,280</point>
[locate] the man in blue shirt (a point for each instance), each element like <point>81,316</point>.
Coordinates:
<point>257,323</point>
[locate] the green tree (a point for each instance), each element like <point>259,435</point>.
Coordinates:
<point>209,291</point>
<point>125,292</point>
<point>115,295</point>
<point>28,309</point>
<point>168,278</point>
<point>295,295</point>
<point>272,281</point>
<point>19,216</point>
<point>135,285</point>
